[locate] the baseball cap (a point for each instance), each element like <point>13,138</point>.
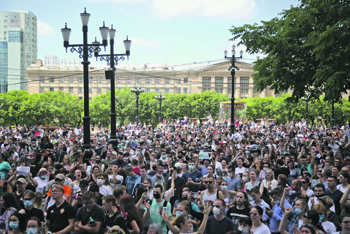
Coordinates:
<point>60,176</point>
<point>21,180</point>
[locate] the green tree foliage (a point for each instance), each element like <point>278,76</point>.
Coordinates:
<point>307,49</point>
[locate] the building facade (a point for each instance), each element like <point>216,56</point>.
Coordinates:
<point>18,48</point>
<point>164,79</point>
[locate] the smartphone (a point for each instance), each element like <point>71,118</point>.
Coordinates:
<point>165,209</point>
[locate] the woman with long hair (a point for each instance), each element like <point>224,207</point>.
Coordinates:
<point>256,213</point>
<point>134,220</point>
<point>269,182</point>
<point>228,194</point>
<point>313,218</point>
<point>13,225</point>
<point>328,203</point>
<point>322,212</point>
<point>9,206</point>
<point>318,178</point>
<point>66,162</point>
<point>253,175</point>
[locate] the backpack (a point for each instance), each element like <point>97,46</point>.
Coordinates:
<point>126,230</point>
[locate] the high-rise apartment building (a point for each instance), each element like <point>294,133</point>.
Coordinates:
<point>18,48</point>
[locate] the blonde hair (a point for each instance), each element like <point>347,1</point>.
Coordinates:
<point>327,202</point>
<point>115,227</point>
<point>269,170</point>
<point>321,207</point>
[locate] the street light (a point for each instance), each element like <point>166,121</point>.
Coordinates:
<point>160,97</point>
<point>137,90</point>
<point>85,52</point>
<point>233,72</point>
<point>112,60</point>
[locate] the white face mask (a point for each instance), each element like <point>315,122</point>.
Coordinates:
<point>243,230</point>
<point>245,179</point>
<point>229,174</point>
<point>216,211</point>
<point>100,182</point>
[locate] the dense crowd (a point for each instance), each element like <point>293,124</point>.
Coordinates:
<point>177,178</point>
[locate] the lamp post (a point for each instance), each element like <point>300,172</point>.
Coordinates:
<point>85,52</point>
<point>233,72</point>
<point>112,60</point>
<point>137,90</point>
<point>160,97</point>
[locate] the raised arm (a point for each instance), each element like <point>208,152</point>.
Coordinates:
<point>283,224</point>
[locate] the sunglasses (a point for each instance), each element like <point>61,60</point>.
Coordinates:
<point>208,182</point>
<point>304,182</point>
<point>253,213</point>
<point>217,206</point>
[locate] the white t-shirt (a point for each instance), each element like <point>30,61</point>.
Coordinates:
<point>340,187</point>
<point>119,177</point>
<point>240,170</point>
<point>104,190</point>
<point>263,229</point>
<point>41,184</point>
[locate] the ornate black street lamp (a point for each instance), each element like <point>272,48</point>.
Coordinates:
<point>112,60</point>
<point>160,97</point>
<point>233,72</point>
<point>85,52</point>
<point>137,90</point>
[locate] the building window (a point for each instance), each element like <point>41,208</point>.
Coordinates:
<point>90,90</point>
<point>244,88</point>
<point>42,89</point>
<point>167,80</point>
<point>157,90</point>
<point>148,90</point>
<point>80,98</point>
<point>219,81</point>
<point>61,79</point>
<point>42,79</point>
<point>80,89</point>
<point>71,89</point>
<point>91,79</point>
<point>52,89</point>
<point>99,90</point>
<point>178,80</point>
<point>80,79</point>
<point>185,80</point>
<point>178,90</point>
<point>167,90</point>
<point>61,89</point>
<point>128,80</point>
<point>157,80</point>
<point>244,84</point>
<point>244,80</point>
<point>52,79</point>
<point>148,80</point>
<point>99,79</point>
<point>185,90</point>
<point>119,80</point>
<point>138,80</point>
<point>71,79</point>
<point>206,83</point>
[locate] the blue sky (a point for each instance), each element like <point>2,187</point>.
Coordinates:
<point>161,31</point>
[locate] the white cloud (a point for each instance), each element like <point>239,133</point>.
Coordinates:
<point>45,30</point>
<point>229,9</point>
<point>146,42</point>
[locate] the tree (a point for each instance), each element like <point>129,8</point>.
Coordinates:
<point>307,49</point>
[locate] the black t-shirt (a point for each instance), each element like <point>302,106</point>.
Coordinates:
<point>34,212</point>
<point>281,170</point>
<point>111,221</point>
<point>129,219</point>
<point>235,215</point>
<point>97,214</point>
<point>59,216</point>
<point>19,199</point>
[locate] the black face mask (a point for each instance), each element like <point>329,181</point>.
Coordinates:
<point>184,197</point>
<point>156,195</point>
<point>119,160</point>
<point>322,195</point>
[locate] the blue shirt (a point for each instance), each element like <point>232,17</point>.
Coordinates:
<point>130,182</point>
<point>204,170</point>
<point>195,176</point>
<point>234,183</point>
<point>277,216</point>
<point>140,180</point>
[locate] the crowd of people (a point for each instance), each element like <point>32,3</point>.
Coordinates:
<point>177,178</point>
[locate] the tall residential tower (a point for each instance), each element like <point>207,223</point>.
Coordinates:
<point>18,48</point>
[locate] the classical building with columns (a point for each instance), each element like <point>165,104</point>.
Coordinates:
<point>179,79</point>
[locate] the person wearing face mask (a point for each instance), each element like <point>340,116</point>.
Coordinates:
<point>322,212</point>
<point>14,225</point>
<point>183,223</point>
<point>159,174</point>
<point>192,177</point>
<point>218,223</point>
<point>33,226</point>
<point>42,180</point>
<point>104,190</point>
<point>276,214</point>
<point>154,209</point>
<point>29,210</point>
<point>233,183</point>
